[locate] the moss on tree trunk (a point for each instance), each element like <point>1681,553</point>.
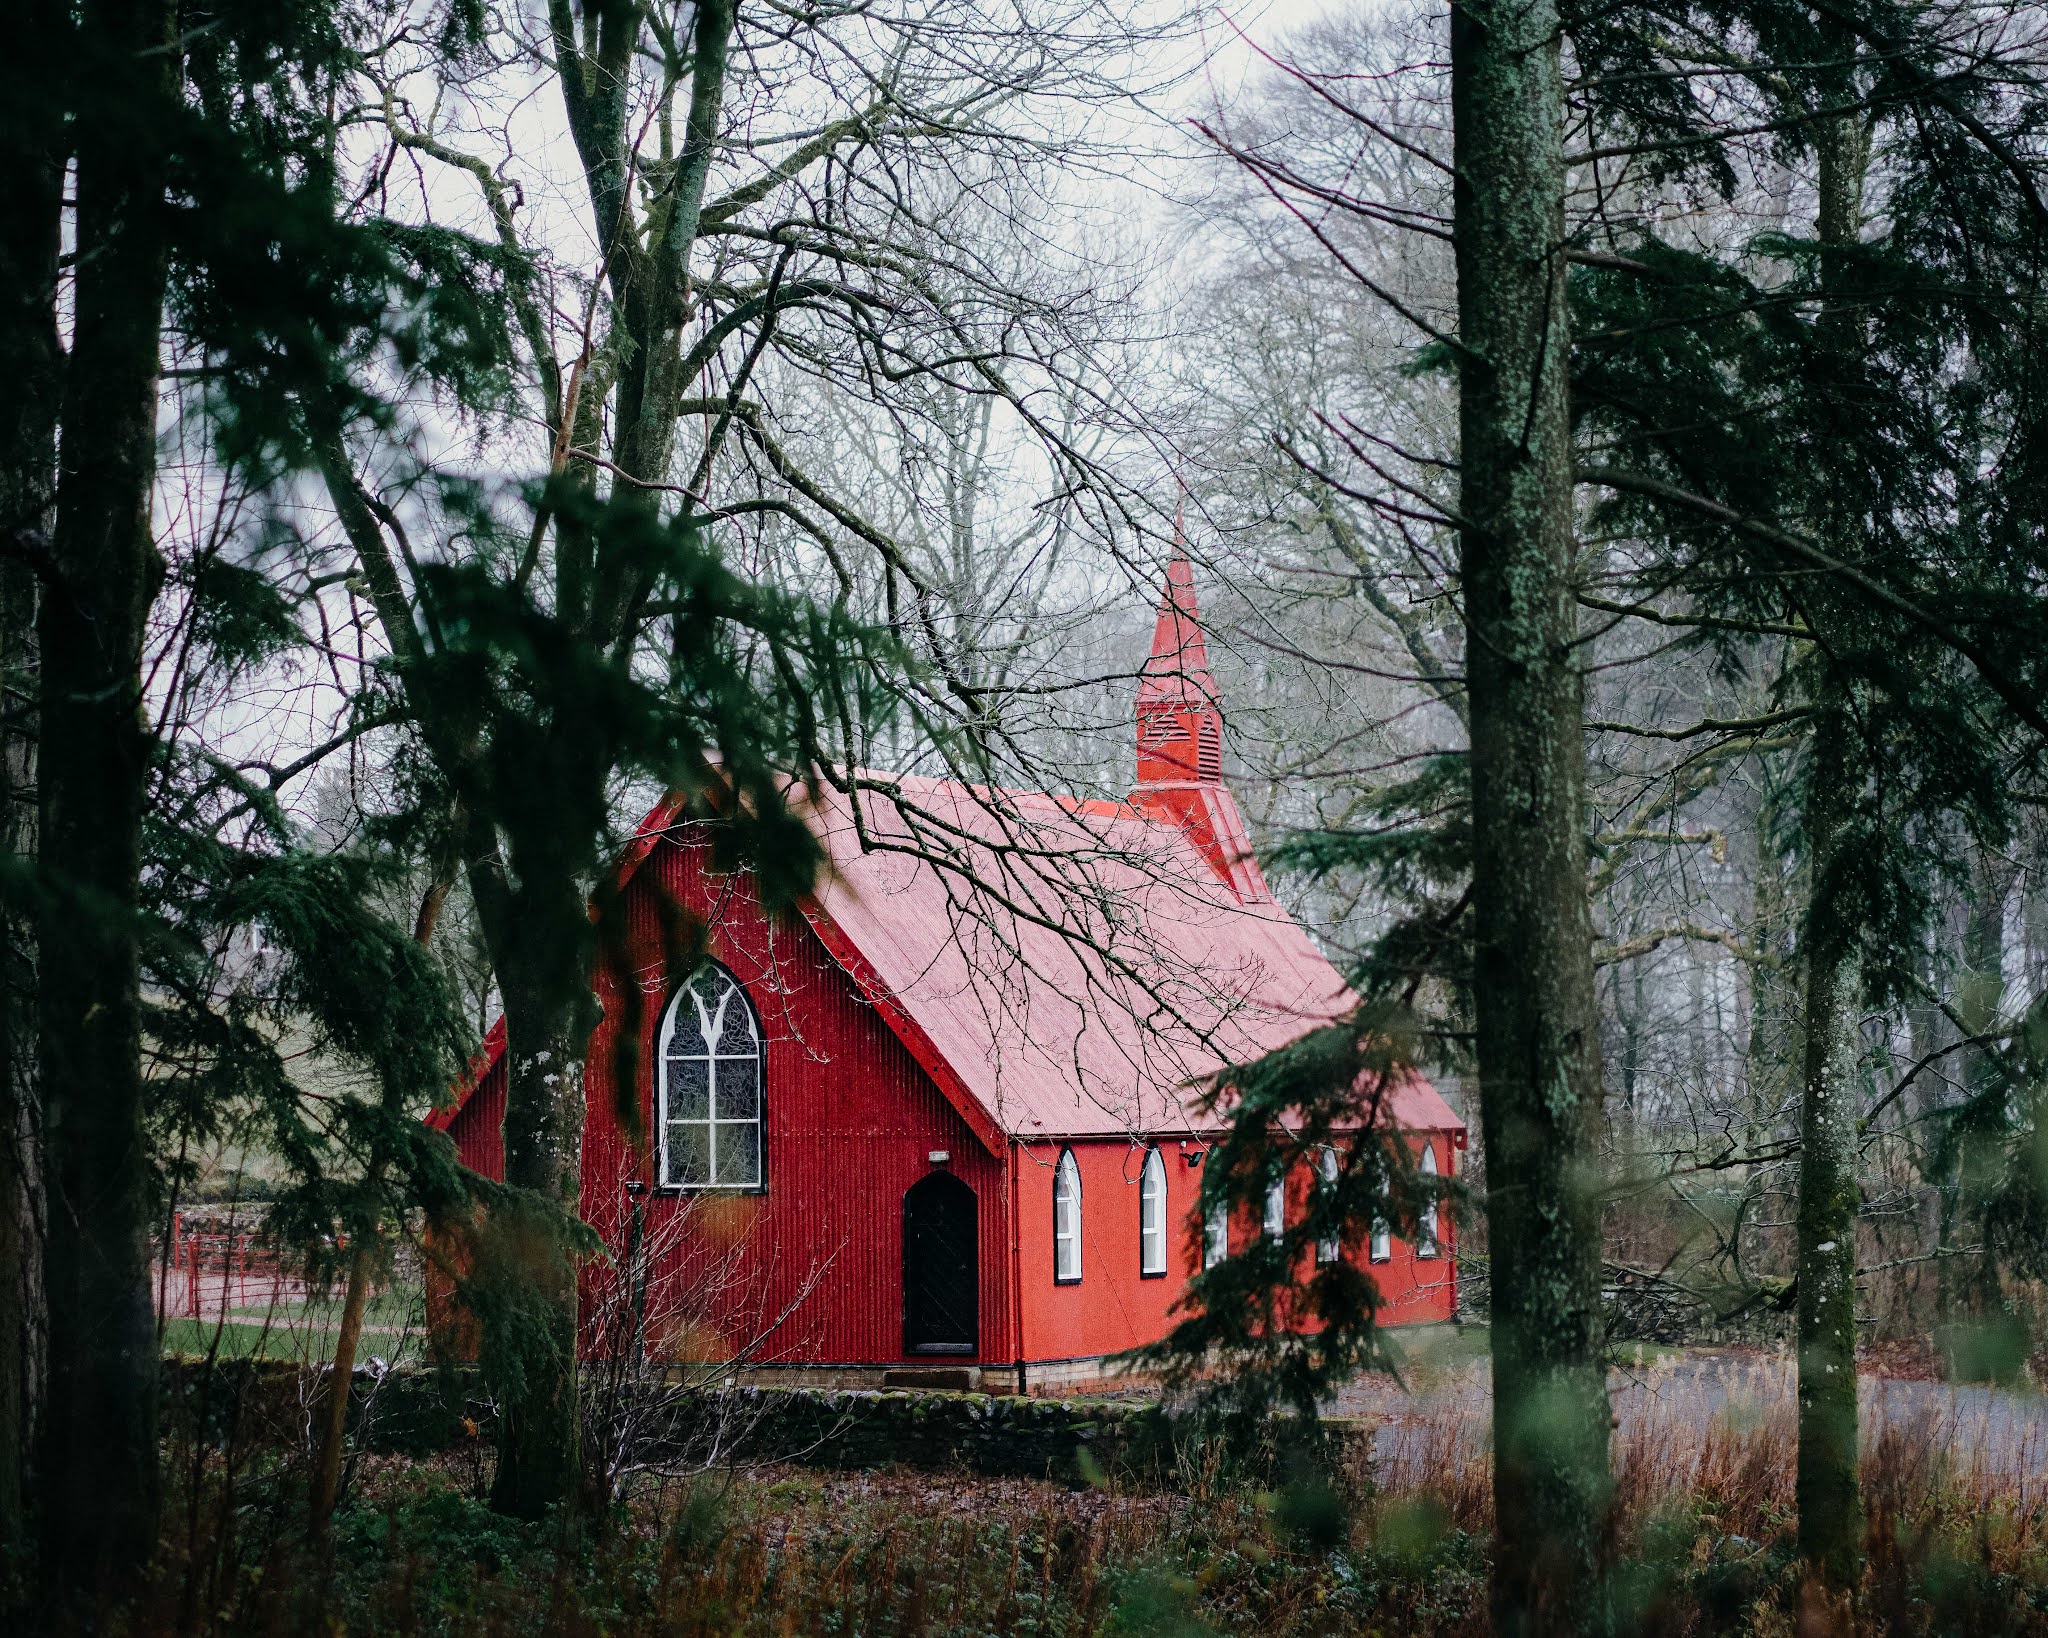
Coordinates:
<point>1830,1508</point>
<point>1538,1041</point>
<point>1828,1492</point>
<point>530,1329</point>
<point>99,1478</point>
<point>31,361</point>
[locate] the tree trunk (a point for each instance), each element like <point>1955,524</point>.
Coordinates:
<point>1829,1496</point>
<point>1538,1041</point>
<point>531,1361</point>
<point>1964,1290</point>
<point>32,362</point>
<point>99,1486</point>
<point>362,1261</point>
<point>1830,1503</point>
<point>524,1278</point>
<point>334,1418</point>
<point>545,977</point>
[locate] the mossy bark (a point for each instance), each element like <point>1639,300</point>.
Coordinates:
<point>99,1475</point>
<point>31,361</point>
<point>1828,1491</point>
<point>1538,1039</point>
<point>1967,1287</point>
<point>530,1329</point>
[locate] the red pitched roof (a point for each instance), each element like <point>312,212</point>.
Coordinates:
<point>1071,969</point>
<point>1060,969</point>
<point>1080,971</point>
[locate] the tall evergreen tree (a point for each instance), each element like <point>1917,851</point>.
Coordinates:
<point>1537,1042</point>
<point>1497,895</point>
<point>31,356</point>
<point>1775,433</point>
<point>98,1485</point>
<point>1791,424</point>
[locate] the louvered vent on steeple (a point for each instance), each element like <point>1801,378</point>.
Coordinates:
<point>1180,720</point>
<point>1180,741</point>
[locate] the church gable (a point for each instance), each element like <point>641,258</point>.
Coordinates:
<point>949,1107</point>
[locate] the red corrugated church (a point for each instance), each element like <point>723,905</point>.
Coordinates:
<point>947,1115</point>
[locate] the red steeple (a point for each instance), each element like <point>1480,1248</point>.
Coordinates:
<point>1180,737</point>
<point>1180,724</point>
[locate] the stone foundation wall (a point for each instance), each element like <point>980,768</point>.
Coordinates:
<point>1076,1439</point>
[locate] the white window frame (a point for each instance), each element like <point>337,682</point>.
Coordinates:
<point>1425,1246</point>
<point>1275,1219</point>
<point>1216,1235</point>
<point>710,1011</point>
<point>1381,1247</point>
<point>1066,1219</point>
<point>1330,1247</point>
<point>1152,1216</point>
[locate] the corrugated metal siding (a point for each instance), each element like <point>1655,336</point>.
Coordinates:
<point>478,1129</point>
<point>1415,1289</point>
<point>1114,1308</point>
<point>811,1270</point>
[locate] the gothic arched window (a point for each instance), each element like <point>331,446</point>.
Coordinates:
<point>1426,1245</point>
<point>709,1070</point>
<point>1381,1247</point>
<point>1331,1246</point>
<point>1216,1234</point>
<point>1066,1219</point>
<point>1275,1222</point>
<point>1152,1216</point>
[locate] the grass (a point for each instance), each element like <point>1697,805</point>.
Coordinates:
<point>781,1550</point>
<point>1394,1542</point>
<point>1637,1356</point>
<point>1703,1538</point>
<point>391,1324</point>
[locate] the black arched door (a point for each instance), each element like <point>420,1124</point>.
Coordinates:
<point>941,1288</point>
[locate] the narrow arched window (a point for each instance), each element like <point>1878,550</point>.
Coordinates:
<point>1152,1216</point>
<point>1327,1248</point>
<point>1426,1245</point>
<point>1382,1247</point>
<point>1066,1219</point>
<point>1276,1206</point>
<point>1216,1234</point>
<point>709,1076</point>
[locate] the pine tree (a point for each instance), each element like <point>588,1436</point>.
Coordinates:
<point>1537,1032</point>
<point>1496,898</point>
<point>98,1484</point>
<point>30,357</point>
<point>1777,426</point>
<point>1797,419</point>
